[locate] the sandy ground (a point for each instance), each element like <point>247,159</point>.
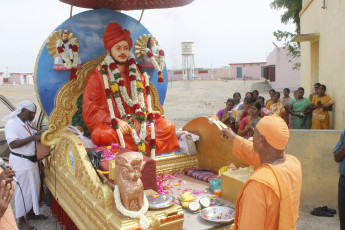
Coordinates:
<point>184,101</point>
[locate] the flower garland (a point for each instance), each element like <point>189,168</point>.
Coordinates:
<point>118,89</point>
<point>159,67</point>
<point>143,222</point>
<point>70,61</point>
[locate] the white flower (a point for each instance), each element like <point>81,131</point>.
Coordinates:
<point>72,55</point>
<point>159,67</point>
<point>137,98</point>
<point>144,222</point>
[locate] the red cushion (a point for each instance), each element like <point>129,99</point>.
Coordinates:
<point>148,175</point>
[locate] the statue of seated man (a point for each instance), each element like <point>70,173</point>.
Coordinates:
<point>65,48</point>
<point>116,101</point>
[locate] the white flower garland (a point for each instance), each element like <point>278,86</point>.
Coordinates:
<point>72,54</point>
<point>143,222</point>
<point>159,67</point>
<point>119,90</point>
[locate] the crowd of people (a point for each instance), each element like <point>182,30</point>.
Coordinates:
<point>298,112</point>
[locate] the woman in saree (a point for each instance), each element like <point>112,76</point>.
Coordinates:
<point>264,111</point>
<point>269,101</point>
<point>238,104</point>
<point>320,105</point>
<point>299,109</point>
<point>249,123</point>
<point>227,115</point>
<point>285,101</point>
<point>277,107</point>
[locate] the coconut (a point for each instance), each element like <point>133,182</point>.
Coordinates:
<point>194,206</point>
<point>205,202</point>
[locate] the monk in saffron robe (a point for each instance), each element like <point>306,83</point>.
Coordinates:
<point>270,198</point>
<point>96,111</point>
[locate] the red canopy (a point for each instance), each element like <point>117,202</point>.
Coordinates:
<point>127,4</point>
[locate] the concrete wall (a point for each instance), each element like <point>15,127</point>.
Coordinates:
<point>323,59</point>
<point>320,171</point>
<point>206,74</point>
<point>285,75</point>
<point>250,71</point>
<point>1,78</point>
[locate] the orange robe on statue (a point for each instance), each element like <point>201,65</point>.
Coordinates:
<point>270,198</point>
<point>96,116</point>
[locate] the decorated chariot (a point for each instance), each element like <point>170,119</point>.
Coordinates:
<point>73,56</point>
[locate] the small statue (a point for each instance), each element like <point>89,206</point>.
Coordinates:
<point>128,169</point>
<point>67,52</point>
<point>151,45</point>
<point>64,48</point>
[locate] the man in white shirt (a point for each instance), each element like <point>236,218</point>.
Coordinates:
<point>21,139</point>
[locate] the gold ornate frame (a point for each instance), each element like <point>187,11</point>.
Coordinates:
<point>66,101</point>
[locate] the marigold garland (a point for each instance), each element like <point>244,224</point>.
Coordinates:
<point>137,102</point>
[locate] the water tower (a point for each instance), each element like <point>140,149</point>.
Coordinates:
<point>187,60</point>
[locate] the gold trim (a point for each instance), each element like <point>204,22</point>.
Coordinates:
<point>305,8</point>
<point>156,106</point>
<point>175,163</point>
<point>88,202</point>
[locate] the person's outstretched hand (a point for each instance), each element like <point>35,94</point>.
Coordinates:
<point>6,192</point>
<point>228,134</point>
<point>7,175</point>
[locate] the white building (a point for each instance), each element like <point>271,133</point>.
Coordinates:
<point>19,79</point>
<point>279,71</point>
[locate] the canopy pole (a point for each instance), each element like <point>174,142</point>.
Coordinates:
<point>142,14</point>
<point>70,13</point>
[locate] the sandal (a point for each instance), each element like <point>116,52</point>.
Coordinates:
<point>325,208</point>
<point>320,212</point>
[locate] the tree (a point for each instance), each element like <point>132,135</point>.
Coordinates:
<point>293,7</point>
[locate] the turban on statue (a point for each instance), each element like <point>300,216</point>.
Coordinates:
<point>275,131</point>
<point>114,33</point>
<point>29,105</point>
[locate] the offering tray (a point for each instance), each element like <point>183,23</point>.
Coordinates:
<point>159,201</point>
<point>218,214</point>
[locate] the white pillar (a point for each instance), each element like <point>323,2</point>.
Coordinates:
<point>192,65</point>
<point>183,67</point>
